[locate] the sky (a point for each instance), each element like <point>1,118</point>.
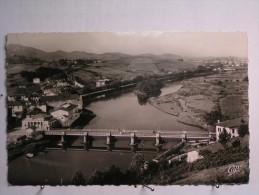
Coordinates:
<point>188,44</point>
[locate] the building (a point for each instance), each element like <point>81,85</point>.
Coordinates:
<point>50,92</point>
<point>78,84</point>
<point>39,122</point>
<point>35,97</point>
<point>62,84</point>
<point>58,100</point>
<point>16,109</point>
<point>66,114</point>
<point>36,80</point>
<point>11,98</point>
<point>33,112</point>
<point>231,127</point>
<point>102,82</point>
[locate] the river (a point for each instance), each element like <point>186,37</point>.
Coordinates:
<point>126,112</point>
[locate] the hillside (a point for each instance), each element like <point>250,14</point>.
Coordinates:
<point>116,66</point>
<point>20,50</point>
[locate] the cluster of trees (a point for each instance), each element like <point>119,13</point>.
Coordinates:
<point>162,173</point>
<point>43,73</point>
<point>113,175</point>
<point>212,117</point>
<point>149,87</point>
<point>79,62</point>
<point>24,60</point>
<point>224,136</point>
<point>243,129</point>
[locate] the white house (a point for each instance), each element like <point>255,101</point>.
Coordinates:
<point>62,84</point>
<point>11,98</point>
<point>66,114</point>
<point>231,127</point>
<point>40,122</point>
<point>102,82</point>
<point>36,80</point>
<point>77,84</point>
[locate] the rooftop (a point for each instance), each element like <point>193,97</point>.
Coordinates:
<point>15,103</point>
<point>68,107</point>
<point>233,122</point>
<point>63,97</point>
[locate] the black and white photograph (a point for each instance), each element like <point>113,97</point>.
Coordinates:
<point>127,108</point>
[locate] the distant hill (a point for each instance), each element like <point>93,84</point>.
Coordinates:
<point>171,56</point>
<point>20,50</point>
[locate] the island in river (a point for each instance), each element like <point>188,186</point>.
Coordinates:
<point>148,87</point>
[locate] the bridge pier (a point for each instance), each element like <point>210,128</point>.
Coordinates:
<point>184,137</point>
<point>158,142</point>
<point>109,142</point>
<point>133,143</point>
<point>86,141</point>
<point>63,142</point>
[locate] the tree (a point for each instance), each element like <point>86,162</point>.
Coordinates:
<point>111,176</point>
<point>136,169</point>
<point>224,136</point>
<point>149,86</point>
<point>243,129</point>
<point>212,117</point>
<point>78,178</point>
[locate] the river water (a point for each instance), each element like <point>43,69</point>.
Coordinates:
<point>126,112</point>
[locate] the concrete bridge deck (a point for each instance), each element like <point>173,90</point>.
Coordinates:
<point>134,136</point>
<point>129,133</point>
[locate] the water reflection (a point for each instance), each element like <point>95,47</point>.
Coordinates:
<point>107,96</point>
<point>142,100</point>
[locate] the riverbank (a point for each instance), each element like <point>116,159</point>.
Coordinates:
<point>188,104</point>
<point>52,167</point>
<point>199,96</point>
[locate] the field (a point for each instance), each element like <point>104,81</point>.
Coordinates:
<point>198,96</point>
<point>219,174</point>
<point>231,106</point>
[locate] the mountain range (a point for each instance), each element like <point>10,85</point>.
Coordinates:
<point>20,50</point>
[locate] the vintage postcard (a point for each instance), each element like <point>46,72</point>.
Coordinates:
<point>106,108</point>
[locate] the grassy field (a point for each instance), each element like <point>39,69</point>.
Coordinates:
<point>198,96</point>
<point>232,106</point>
<point>208,176</point>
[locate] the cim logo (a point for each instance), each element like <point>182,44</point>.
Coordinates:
<point>233,169</point>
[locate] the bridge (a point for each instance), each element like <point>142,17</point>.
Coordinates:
<point>134,135</point>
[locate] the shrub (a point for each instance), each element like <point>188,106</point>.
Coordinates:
<point>243,129</point>
<point>224,136</point>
